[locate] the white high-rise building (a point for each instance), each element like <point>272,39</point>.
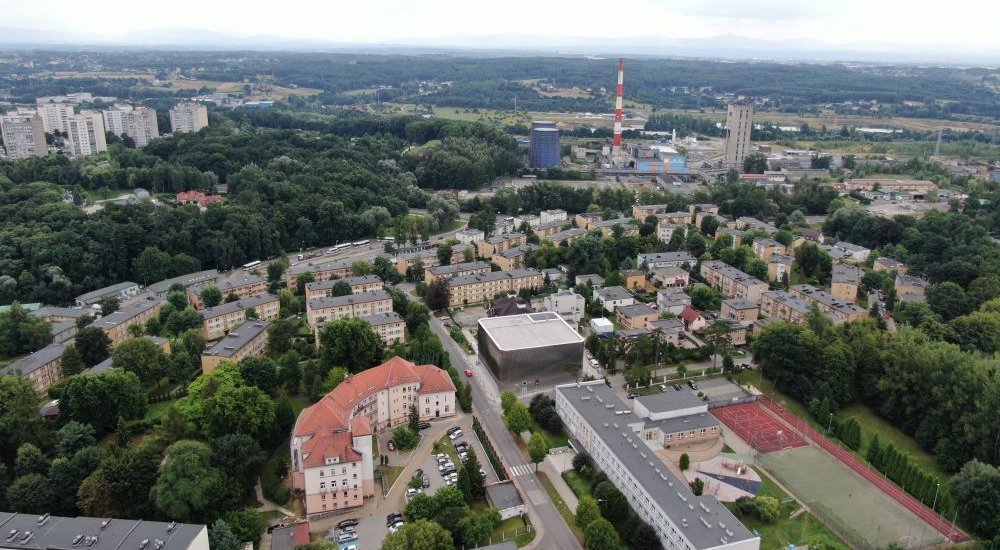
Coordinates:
<point>188,117</point>
<point>142,126</point>
<point>739,123</point>
<point>86,134</point>
<point>116,119</point>
<point>23,135</point>
<point>54,116</point>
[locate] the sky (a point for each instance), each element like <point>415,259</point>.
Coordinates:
<point>967,24</point>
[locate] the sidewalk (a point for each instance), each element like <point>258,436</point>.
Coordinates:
<point>267,505</point>
<point>555,476</point>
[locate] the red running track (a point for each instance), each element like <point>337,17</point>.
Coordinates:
<point>918,508</point>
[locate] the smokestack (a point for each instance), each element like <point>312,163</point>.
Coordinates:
<point>616,142</point>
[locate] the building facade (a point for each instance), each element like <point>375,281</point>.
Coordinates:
<point>389,326</point>
<point>141,126</point>
<point>85,134</point>
<point>116,325</point>
<point>500,243</point>
<point>42,368</point>
<point>568,304</point>
<point>324,289</point>
<point>188,117</point>
<point>470,236</point>
<point>732,282</point>
<point>445,272</point>
<point>23,136</point>
<point>739,124</point>
<point>533,350</point>
<point>473,289</point>
<point>554,215</point>
<point>324,310</point>
<point>845,282</point>
<point>246,340</point>
<point>221,319</point>
<point>736,309</point>
<point>543,150</point>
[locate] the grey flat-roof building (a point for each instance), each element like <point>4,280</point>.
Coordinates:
<point>32,532</point>
<point>122,291</point>
<point>187,281</point>
<point>504,497</point>
<point>532,350</point>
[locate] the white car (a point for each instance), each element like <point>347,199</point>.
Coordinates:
<point>445,466</point>
<point>456,435</point>
<point>395,526</point>
<point>449,481</point>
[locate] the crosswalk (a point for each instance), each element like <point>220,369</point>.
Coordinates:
<point>520,470</point>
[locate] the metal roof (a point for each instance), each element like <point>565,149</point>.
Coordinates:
<point>529,330</point>
<point>238,338</point>
<point>96,533</point>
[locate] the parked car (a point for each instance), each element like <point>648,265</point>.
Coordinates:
<point>396,526</point>
<point>663,387</point>
<point>424,425</point>
<point>426,481</point>
<point>677,387</point>
<point>347,537</point>
<point>468,372</point>
<point>456,435</point>
<point>453,429</point>
<point>391,445</point>
<point>461,446</point>
<point>633,395</point>
<point>692,385</point>
<point>393,518</point>
<point>419,472</point>
<point>347,523</point>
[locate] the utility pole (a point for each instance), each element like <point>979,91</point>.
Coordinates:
<point>937,148</point>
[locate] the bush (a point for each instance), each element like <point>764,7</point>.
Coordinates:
<point>405,439</point>
<point>280,496</point>
<point>685,461</point>
<point>491,453</point>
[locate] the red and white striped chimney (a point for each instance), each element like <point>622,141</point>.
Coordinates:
<point>616,142</point>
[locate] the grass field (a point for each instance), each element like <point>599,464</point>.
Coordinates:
<point>554,440</point>
<point>391,474</point>
<point>277,92</point>
<point>836,121</point>
<point>577,483</point>
<point>515,528</point>
<point>158,410</point>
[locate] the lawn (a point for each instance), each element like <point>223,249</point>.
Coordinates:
<point>564,511</point>
<point>553,440</point>
<point>158,410</point>
<point>516,528</point>
<point>390,475</point>
<point>579,484</point>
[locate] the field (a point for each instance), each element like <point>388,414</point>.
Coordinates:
<point>277,92</point>
<point>836,121</point>
<point>577,483</point>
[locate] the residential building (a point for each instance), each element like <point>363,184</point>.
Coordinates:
<point>693,319</point>
<point>808,234</point>
<point>737,330</point>
<point>553,276</point>
<point>473,289</point>
<point>321,270</point>
<point>508,305</point>
<point>568,236</point>
<point>845,282</point>
<point>739,124</point>
<point>634,279</point>
<point>585,220</point>
<point>613,297</point>
<point>141,126</point>
<point>121,291</point>
<point>735,234</point>
<point>889,265</point>
<point>602,327</point>
<point>623,445</point>
<point>85,134</point>
<point>55,314</point>
<point>746,223</point>
<point>627,227</point>
<point>536,350</point>
<point>513,258</point>
<point>197,197</point>
<point>31,532</point>
<point>326,309</point>
<point>596,281</point>
<point>219,320</point>
<point>433,274</point>
<point>670,331</point>
<point>63,331</point>
<point>23,136</point>
<point>116,325</point>
<point>700,217</point>
<point>678,218</point>
<point>853,252</point>
<point>324,289</point>
<point>42,368</point>
<point>532,220</point>
<point>188,117</point>
<point>470,236</point>
<point>910,288</point>
<point>670,277</point>
<point>162,288</point>
<point>555,215</point>
<point>55,116</point>
<point>636,315</point>
<point>241,284</point>
<point>505,497</point>
<point>672,300</point>
<point>765,248</point>
<point>665,231</point>
<point>836,254</point>
<point>841,311</point>
<point>389,326</point>
<point>546,230</point>
<point>665,259</point>
<point>778,304</point>
<point>116,118</point>
<point>568,304</point>
<point>731,281</point>
<point>331,447</point>
<point>642,211</point>
<point>740,310</point>
<point>246,340</point>
<point>779,267</point>
<point>500,243</point>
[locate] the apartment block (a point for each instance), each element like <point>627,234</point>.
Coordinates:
<point>545,230</point>
<point>735,234</point>
<point>42,368</point>
<point>470,236</point>
<point>324,289</point>
<point>240,284</point>
<point>554,215</point>
<point>115,325</point>
<point>141,126</point>
<point>55,116</point>
<point>568,236</point>
<point>910,288</point>
<point>33,531</point>
<point>331,447</point>
<point>642,211</point>
<point>246,340</point>
<point>841,311</point>
<point>586,220</point>
<point>678,218</point>
<point>736,309</point>
<point>116,119</point>
<point>433,274</point>
<point>666,231</point>
<point>23,136</point>
<point>853,252</point>
<point>778,304</point>
<point>321,270</point>
<point>513,258</point>
<point>665,259</point>
<point>779,267</point>
<point>624,444</point>
<point>188,117</point>
<point>746,223</point>
<point>532,220</point>
<point>626,226</point>
<point>324,310</point>
<point>845,282</point>
<point>162,288</point>
<point>739,124</point>
<point>765,248</point>
<point>636,316</point>
<point>389,326</point>
<point>429,258</point>
<point>669,331</point>
<point>613,297</point>
<point>221,319</point>
<point>732,282</point>
<point>473,289</point>
<point>889,265</point>
<point>695,209</point>
<point>500,243</point>
<point>121,291</point>
<point>85,134</point>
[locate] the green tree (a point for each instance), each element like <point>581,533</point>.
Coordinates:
<point>477,527</point>
<point>109,305</point>
<point>518,417</point>
<point>221,537</point>
<point>275,270</point>
<point>405,439</point>
<point>360,268</point>
<point>30,460</point>
<point>587,511</point>
<point>100,399</point>
<point>444,254</point>
<point>260,372</point>
<point>290,371</point>
<point>705,298</point>
<point>333,379</point>
<point>697,486</point>
<point>685,461</point>
<point>240,409</point>
<point>948,300</point>
<point>538,448</point>
<point>92,344</point>
<point>279,337</point>
<point>421,506</point>
<point>414,420</point>
<point>20,422</point>
<point>976,490</point>
<point>239,457</point>
<point>614,506</point>
<point>211,296</point>
<point>188,487</point>
<point>754,163</point>
<point>477,481</point>
<point>301,280</point>
<point>464,485</point>
<point>419,535</point>
<point>351,343</point>
<point>74,436</point>
<point>600,535</point>
<point>30,494</point>
<point>341,288</point>
<point>507,400</point>
<point>436,295</point>
<point>143,357</point>
<point>246,523</point>
<point>72,362</point>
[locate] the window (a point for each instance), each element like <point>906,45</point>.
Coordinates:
<point>355,476</point>
<point>321,473</point>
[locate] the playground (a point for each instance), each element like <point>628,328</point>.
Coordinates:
<point>760,430</point>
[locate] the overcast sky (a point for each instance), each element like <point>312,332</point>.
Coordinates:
<point>966,23</point>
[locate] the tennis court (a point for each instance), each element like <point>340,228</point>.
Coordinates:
<point>758,428</point>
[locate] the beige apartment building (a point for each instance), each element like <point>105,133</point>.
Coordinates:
<point>548,229</point>
<point>513,258</point>
<point>568,236</point>
<point>500,243</point>
<point>115,325</point>
<point>389,326</point>
<point>188,117</point>
<point>585,220</point>
<point>221,319</point>
<point>246,340</point>
<point>910,288</point>
<point>240,284</point>
<point>779,267</point>
<point>23,135</point>
<point>324,289</point>
<point>845,282</point>
<point>778,304</point>
<point>42,368</point>
<point>740,310</point>
<point>841,311</point>
<point>141,126</point>
<point>324,310</point>
<point>429,258</point>
<point>636,316</point>
<point>433,274</point>
<point>732,282</point>
<point>889,265</point>
<point>765,248</point>
<point>695,209</point>
<point>473,289</point>
<point>85,134</point>
<point>642,211</point>
<point>321,270</point>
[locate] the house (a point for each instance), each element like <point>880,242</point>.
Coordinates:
<point>672,300</point>
<point>665,259</point>
<point>641,211</point>
<point>331,447</point>
<point>836,254</point>
<point>585,220</point>
<point>568,304</point>
<point>470,236</point>
<point>288,537</point>
<point>42,368</point>
<point>853,252</point>
<point>219,320</point>
<point>324,289</point>
<point>670,277</point>
<point>740,310</point>
<point>889,265</point>
<point>508,305</point>
<point>666,231</point>
<point>116,325</point>
<point>513,258</point>
<point>693,319</point>
<point>910,288</point>
<point>613,297</point>
<point>246,340</point>
<point>731,281</point>
<point>500,243</point>
<point>595,281</point>
<point>554,215</point>
<point>326,309</point>
<point>602,327</point>
<point>814,235</point>
<point>765,248</point>
<point>433,274</point>
<point>845,282</point>
<point>670,331</point>
<point>505,497</point>
<point>568,236</point>
<point>197,198</point>
<point>634,279</point>
<point>121,291</point>
<point>474,289</point>
<point>636,316</point>
<point>779,267</point>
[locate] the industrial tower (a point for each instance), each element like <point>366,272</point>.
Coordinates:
<point>617,153</point>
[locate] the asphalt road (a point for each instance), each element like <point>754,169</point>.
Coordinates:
<point>553,532</point>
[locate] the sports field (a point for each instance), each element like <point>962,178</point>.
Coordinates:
<point>862,514</point>
<point>756,427</point>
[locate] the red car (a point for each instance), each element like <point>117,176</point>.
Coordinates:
<point>468,372</point>
<point>391,445</point>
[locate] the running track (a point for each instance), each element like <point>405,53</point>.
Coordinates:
<point>918,508</point>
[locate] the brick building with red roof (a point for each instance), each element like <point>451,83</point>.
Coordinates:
<point>331,444</point>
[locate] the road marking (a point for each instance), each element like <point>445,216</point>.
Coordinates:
<point>520,470</point>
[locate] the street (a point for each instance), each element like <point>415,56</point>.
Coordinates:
<point>552,531</point>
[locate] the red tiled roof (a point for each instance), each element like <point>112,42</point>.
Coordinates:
<point>690,314</point>
<point>301,533</point>
<point>435,380</point>
<point>320,447</point>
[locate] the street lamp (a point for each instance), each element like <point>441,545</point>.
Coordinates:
<point>829,424</point>
<point>938,488</point>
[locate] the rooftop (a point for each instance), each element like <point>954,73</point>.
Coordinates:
<point>731,272</point>
<point>96,295</point>
<point>493,276</point>
<point>530,330</point>
<point>380,319</point>
<point>828,299</point>
<point>660,257</point>
<point>238,338</point>
<point>349,299</point>
<point>592,279</point>
<point>352,281</point>
<point>187,280</point>
<point>96,533</point>
<point>126,313</point>
<point>670,401</point>
<point>687,422</point>
<point>910,280</point>
<point>503,495</point>
<point>635,310</point>
<point>703,520</point>
<point>667,326</point>
<point>788,300</point>
<point>233,307</point>
<point>310,267</point>
<point>846,274</point>
<point>613,293</point>
<point>740,303</point>
<point>518,251</point>
<point>497,239</point>
<point>55,311</point>
<point>34,361</point>
<point>289,536</point>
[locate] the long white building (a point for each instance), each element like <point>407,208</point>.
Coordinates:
<point>622,446</point>
<point>23,135</point>
<point>116,118</point>
<point>55,116</point>
<point>85,134</point>
<point>188,117</point>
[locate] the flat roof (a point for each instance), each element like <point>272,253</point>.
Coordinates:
<point>788,300</point>
<point>667,257</point>
<point>828,299</point>
<point>503,495</point>
<point>187,280</point>
<point>846,274</point>
<point>232,307</point>
<point>740,303</point>
<point>636,310</point>
<point>688,422</point>
<point>493,276</point>
<point>496,239</point>
<point>359,298</point>
<point>386,318</point>
<point>731,272</point>
<point>319,266</point>
<point>520,250</point>
<point>238,338</point>
<point>455,268</point>
<point>56,311</point>
<point>529,330</point>
<point>352,281</point>
<point>96,295</point>
<point>669,401</point>
<point>597,404</point>
<point>109,534</point>
<point>613,293</point>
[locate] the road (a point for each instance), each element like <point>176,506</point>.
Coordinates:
<point>552,530</point>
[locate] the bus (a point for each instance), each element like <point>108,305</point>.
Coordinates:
<point>359,243</point>
<point>251,265</point>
